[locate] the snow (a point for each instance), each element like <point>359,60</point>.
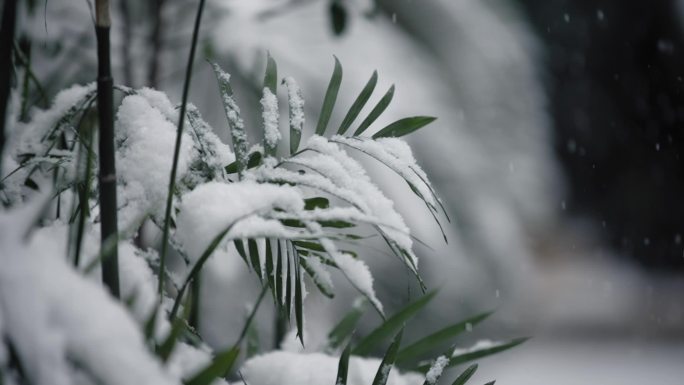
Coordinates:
<point>296,103</point>
<point>397,155</point>
<point>33,135</point>
<point>355,270</point>
<point>436,369</point>
<point>146,139</point>
<point>269,103</point>
<point>55,318</point>
<point>212,207</point>
<point>289,368</point>
<point>237,126</point>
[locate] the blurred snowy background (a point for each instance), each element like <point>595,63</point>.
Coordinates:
<point>557,151</point>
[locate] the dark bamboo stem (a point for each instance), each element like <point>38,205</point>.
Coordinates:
<point>176,151</point>
<point>156,44</point>
<point>6,38</point>
<point>107,176</point>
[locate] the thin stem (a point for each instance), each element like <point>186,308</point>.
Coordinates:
<point>176,151</point>
<point>107,176</point>
<point>6,39</point>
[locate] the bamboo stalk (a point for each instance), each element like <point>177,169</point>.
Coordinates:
<point>6,39</point>
<point>176,151</point>
<point>107,175</point>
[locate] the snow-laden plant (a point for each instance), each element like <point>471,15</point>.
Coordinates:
<point>289,210</point>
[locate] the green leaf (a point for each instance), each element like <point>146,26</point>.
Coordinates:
<point>343,366</point>
<point>376,112</point>
<point>316,202</point>
<point>309,245</point>
<point>457,359</point>
<point>271,76</point>
<point>465,376</point>
<point>299,304</point>
<point>338,17</point>
<point>330,98</point>
<point>324,289</point>
<point>296,112</point>
<point>240,247</point>
<point>480,353</point>
<point>491,383</point>
<point>270,268</point>
<point>254,257</point>
<point>288,282</point>
<point>344,329</point>
<point>237,129</point>
<point>438,338</point>
<point>388,361</point>
<point>279,278</point>
<point>404,127</point>
<point>166,347</point>
<point>358,104</point>
<point>219,367</point>
<point>391,325</point>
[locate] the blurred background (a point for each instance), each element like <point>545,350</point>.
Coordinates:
<point>557,152</point>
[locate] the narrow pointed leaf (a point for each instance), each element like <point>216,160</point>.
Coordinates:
<point>404,127</point>
<point>316,202</point>
<point>344,329</point>
<point>237,129</point>
<point>330,98</point>
<point>343,366</point>
<point>358,104</point>
<point>465,376</point>
<point>388,361</point>
<point>254,257</point>
<point>270,269</point>
<point>296,111</point>
<point>271,76</point>
<point>240,247</point>
<point>299,300</point>
<point>219,367</point>
<point>376,111</point>
<point>480,353</point>
<point>389,327</point>
<point>279,278</point>
<point>435,340</point>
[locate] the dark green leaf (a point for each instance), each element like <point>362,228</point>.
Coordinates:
<point>358,104</point>
<point>465,376</point>
<point>270,268</point>
<point>338,17</point>
<point>330,98</point>
<point>386,365</point>
<point>435,340</point>
<point>324,289</point>
<point>309,245</point>
<point>271,76</point>
<point>299,304</point>
<point>346,326</point>
<point>391,325</point>
<point>491,383</point>
<point>240,247</point>
<point>279,278</point>
<point>404,127</point>
<point>254,257</point>
<point>376,112</point>
<point>343,366</point>
<point>220,366</point>
<point>480,353</point>
<point>316,202</point>
<point>253,161</point>
<point>237,130</point>
<point>288,281</point>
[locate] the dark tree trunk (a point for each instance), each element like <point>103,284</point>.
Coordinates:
<point>105,106</point>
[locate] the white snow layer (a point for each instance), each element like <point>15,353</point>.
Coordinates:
<point>296,102</point>
<point>146,139</point>
<point>288,368</point>
<point>436,370</point>
<point>58,320</point>
<point>269,103</point>
<point>212,207</point>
